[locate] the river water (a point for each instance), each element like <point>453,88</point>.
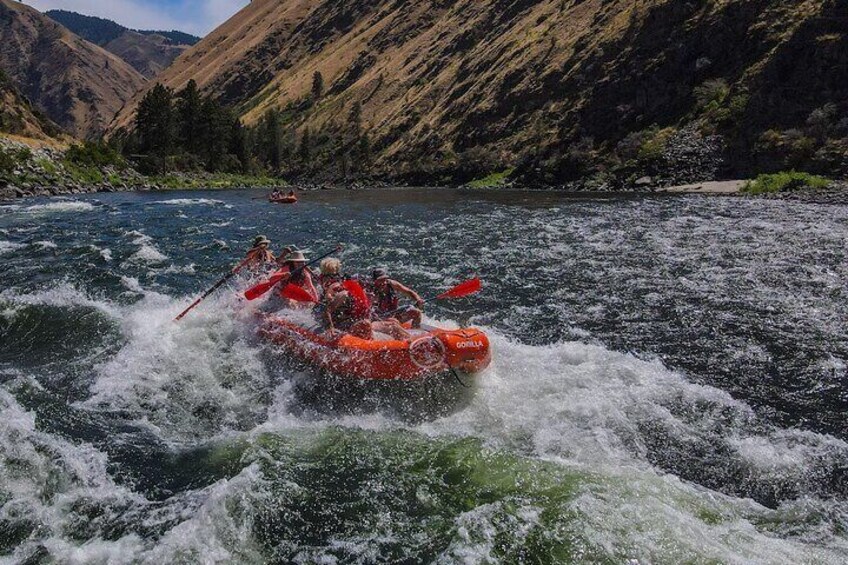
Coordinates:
<point>669,385</point>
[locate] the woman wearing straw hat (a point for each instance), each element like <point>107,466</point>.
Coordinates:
<point>260,255</point>
<point>299,275</point>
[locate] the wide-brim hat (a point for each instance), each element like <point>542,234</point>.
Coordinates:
<point>379,273</point>
<point>261,240</point>
<point>296,256</point>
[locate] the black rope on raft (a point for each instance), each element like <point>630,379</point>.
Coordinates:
<point>456,376</point>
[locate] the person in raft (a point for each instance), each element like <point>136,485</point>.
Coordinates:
<point>291,194</point>
<point>259,256</point>
<point>387,293</point>
<point>294,265</point>
<point>346,313</point>
<point>331,273</point>
<point>275,194</point>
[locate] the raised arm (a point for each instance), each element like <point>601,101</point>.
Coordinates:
<point>408,292</point>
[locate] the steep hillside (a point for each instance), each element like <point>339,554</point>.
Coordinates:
<point>560,88</point>
<point>77,84</point>
<point>18,117</point>
<point>149,52</point>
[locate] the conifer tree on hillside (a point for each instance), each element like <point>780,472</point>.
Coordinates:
<point>355,118</point>
<point>270,145</point>
<point>240,145</point>
<point>317,85</point>
<point>155,121</point>
<point>190,113</point>
<point>305,151</point>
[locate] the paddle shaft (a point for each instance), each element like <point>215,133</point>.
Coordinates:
<point>215,287</point>
<point>315,261</point>
<point>440,296</point>
<point>263,288</point>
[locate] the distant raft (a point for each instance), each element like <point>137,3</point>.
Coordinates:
<point>283,200</point>
<point>431,351</point>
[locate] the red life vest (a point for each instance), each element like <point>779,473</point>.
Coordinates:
<point>387,299</point>
<point>355,309</point>
<point>300,278</point>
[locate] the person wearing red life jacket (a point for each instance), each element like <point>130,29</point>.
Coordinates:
<point>345,311</point>
<point>331,273</point>
<point>387,293</point>
<point>298,275</point>
<point>260,256</point>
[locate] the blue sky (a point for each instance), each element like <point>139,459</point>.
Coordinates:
<point>193,16</point>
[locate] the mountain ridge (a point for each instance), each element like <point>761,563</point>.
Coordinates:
<point>149,52</point>
<point>79,85</point>
<point>555,88</point>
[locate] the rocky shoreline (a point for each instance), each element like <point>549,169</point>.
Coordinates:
<point>46,172</point>
<point>41,170</point>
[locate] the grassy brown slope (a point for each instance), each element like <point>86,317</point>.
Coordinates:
<point>149,54</point>
<point>526,79</point>
<point>77,84</point>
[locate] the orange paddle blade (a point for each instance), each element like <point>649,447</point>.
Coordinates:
<point>464,289</point>
<point>260,289</point>
<point>298,294</point>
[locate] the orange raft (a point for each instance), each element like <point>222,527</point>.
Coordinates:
<point>283,200</point>
<point>431,351</point>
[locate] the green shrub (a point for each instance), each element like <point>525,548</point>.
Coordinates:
<point>711,95</point>
<point>10,158</point>
<point>654,144</point>
<point>493,180</point>
<point>784,182</point>
<point>47,166</point>
<point>94,154</point>
<point>83,174</point>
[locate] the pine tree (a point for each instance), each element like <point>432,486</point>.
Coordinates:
<point>190,114</point>
<point>317,86</point>
<point>240,145</point>
<point>155,123</point>
<point>355,118</point>
<point>215,129</point>
<point>305,151</point>
<point>272,140</point>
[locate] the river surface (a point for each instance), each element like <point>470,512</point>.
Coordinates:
<point>669,385</point>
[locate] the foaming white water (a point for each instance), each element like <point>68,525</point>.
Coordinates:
<point>8,247</point>
<point>587,407</point>
<point>43,476</point>
<point>105,253</point>
<point>191,202</point>
<point>191,379</point>
<point>60,206</point>
<point>607,414</point>
<point>147,252</point>
<point>46,244</point>
<point>62,295</point>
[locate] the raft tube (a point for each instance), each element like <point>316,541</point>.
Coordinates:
<point>431,351</point>
<point>283,200</point>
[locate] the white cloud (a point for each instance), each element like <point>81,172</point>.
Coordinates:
<point>192,16</point>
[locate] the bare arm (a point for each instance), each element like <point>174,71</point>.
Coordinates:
<point>331,309</point>
<point>408,292</point>
<point>309,285</point>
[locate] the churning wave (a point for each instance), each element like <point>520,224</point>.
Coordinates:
<point>128,438</point>
<point>624,430</point>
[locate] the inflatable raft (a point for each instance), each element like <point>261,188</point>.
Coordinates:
<point>431,351</point>
<point>283,200</point>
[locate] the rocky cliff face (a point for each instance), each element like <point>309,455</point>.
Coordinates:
<point>77,84</point>
<point>18,117</point>
<point>546,85</point>
<point>148,52</point>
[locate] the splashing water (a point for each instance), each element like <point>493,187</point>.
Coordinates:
<point>668,386</point>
